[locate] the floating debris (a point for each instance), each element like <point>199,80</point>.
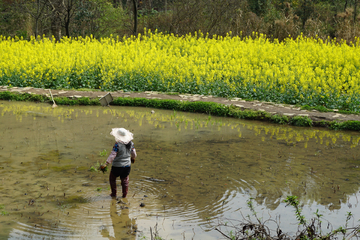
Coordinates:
<point>154,179</point>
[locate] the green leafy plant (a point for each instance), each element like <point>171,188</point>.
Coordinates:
<point>349,215</point>
<point>93,169</point>
<point>97,167</point>
<point>4,213</point>
<point>308,229</point>
<point>251,206</point>
<point>292,200</point>
<point>103,153</point>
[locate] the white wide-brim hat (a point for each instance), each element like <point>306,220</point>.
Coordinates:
<point>122,135</point>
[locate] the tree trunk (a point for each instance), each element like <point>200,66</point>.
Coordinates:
<point>36,27</point>
<point>135,16</point>
<point>116,3</point>
<point>67,26</point>
<point>333,23</point>
<point>355,9</point>
<point>345,6</point>
<point>56,26</point>
<point>67,19</point>
<point>37,19</point>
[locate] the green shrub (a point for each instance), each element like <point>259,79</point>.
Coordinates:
<point>122,101</point>
<point>279,119</point>
<point>350,125</point>
<point>334,125</point>
<point>80,101</point>
<point>318,108</point>
<point>63,101</point>
<point>7,95</point>
<point>171,104</point>
<point>301,121</point>
<point>84,101</point>
<point>206,107</point>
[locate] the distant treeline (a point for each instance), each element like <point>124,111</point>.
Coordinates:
<point>276,18</point>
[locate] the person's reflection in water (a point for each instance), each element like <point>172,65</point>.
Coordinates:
<point>124,227</point>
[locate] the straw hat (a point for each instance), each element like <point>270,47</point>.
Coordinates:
<point>122,135</point>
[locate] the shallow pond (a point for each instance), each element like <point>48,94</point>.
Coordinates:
<point>193,172</point>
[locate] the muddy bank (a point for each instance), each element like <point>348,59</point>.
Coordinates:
<point>268,107</point>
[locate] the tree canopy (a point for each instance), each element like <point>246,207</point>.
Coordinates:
<point>100,18</point>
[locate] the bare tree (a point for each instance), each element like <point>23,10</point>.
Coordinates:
<point>304,11</point>
<point>69,9</point>
<point>56,14</point>
<point>355,11</point>
<point>62,15</point>
<point>135,10</point>
<point>35,9</point>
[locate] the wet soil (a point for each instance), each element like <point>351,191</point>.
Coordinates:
<point>273,108</point>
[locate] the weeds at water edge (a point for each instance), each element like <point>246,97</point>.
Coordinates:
<point>307,229</point>
<point>3,212</point>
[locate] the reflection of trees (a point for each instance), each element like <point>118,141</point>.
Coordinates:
<point>271,199</point>
<point>203,169</point>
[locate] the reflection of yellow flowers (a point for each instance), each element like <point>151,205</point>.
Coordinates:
<point>184,121</point>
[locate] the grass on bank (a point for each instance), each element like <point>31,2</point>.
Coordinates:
<point>211,108</point>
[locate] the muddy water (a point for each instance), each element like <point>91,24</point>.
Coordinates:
<point>193,171</point>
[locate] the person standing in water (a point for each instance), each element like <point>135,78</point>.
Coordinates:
<point>121,157</point>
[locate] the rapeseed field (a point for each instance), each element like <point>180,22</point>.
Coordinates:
<point>302,71</point>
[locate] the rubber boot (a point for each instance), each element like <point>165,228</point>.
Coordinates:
<point>112,180</point>
<point>124,191</point>
<point>125,186</point>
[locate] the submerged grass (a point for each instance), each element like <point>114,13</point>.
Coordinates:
<point>211,108</point>
<point>3,212</point>
<point>75,199</point>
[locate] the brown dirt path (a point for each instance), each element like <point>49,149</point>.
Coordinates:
<point>273,108</point>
